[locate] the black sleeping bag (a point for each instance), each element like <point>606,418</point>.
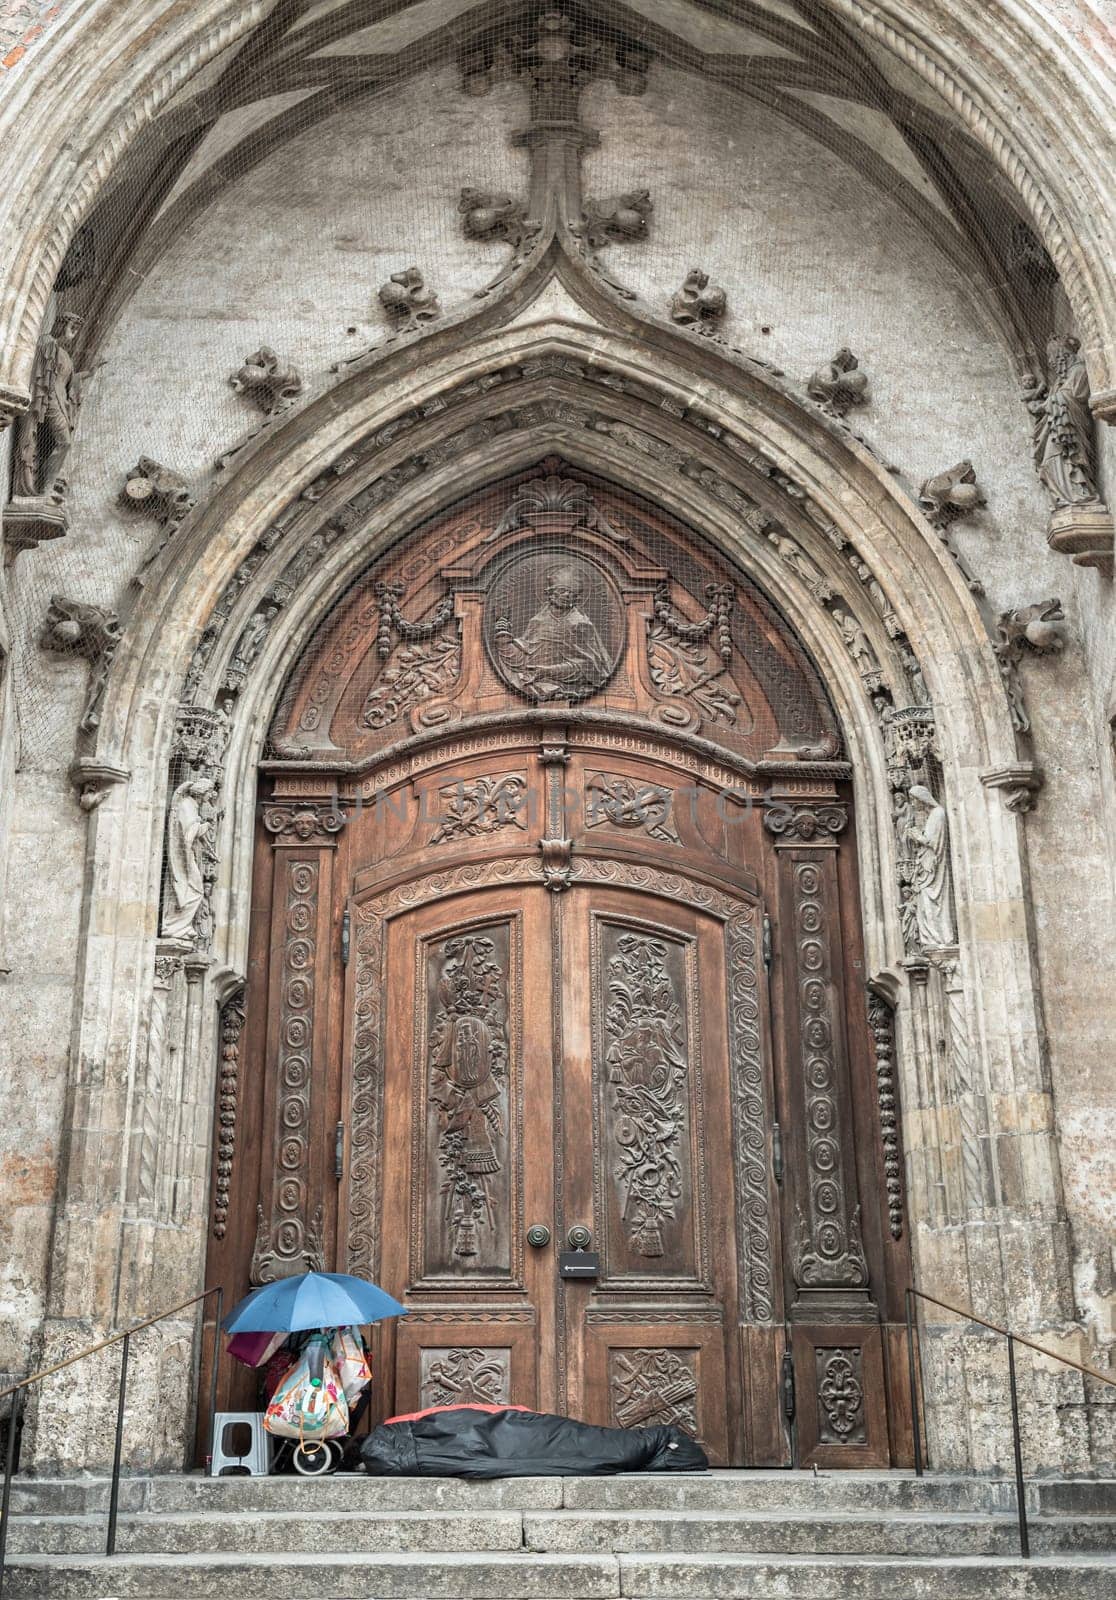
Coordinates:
<point>480,1442</point>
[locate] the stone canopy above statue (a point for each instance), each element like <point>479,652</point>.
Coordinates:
<point>553,591</point>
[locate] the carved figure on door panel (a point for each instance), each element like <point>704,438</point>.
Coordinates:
<point>565,647</point>
<point>466,1378</point>
<point>468,1064</point>
<point>647,1067</point>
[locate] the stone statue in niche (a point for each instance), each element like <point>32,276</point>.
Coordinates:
<point>555,638</point>
<point>189,855</point>
<point>698,304</point>
<point>929,836</point>
<point>1065,453</point>
<point>839,385</point>
<point>408,302</point>
<point>45,431</point>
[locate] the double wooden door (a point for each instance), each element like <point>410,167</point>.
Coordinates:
<point>560,1092</point>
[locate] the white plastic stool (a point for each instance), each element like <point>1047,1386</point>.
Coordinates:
<point>257,1459</point>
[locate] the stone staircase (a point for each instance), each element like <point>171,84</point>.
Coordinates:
<point>760,1535</point>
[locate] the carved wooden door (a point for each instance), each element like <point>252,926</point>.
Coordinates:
<point>556,1062</point>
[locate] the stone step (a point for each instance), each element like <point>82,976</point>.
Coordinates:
<point>811,1533</point>
<point>747,1491</point>
<point>559,1532</point>
<point>394,1576</point>
<point>474,1576</point>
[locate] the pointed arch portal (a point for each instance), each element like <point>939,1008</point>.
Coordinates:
<point>555,942</point>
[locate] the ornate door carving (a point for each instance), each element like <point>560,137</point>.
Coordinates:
<point>555,927</point>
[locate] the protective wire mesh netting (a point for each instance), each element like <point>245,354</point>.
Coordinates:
<point>356,169</point>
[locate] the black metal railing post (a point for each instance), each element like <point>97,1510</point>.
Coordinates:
<point>14,1416</point>
<point>213,1374</point>
<point>118,1446</point>
<point>912,1373</point>
<point>1017,1446</point>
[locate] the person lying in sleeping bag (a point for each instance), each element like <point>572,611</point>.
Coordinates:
<point>511,1442</point>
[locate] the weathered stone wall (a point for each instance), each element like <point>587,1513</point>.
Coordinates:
<point>291,255</point>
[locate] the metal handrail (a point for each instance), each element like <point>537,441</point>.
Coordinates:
<point>124,1338</point>
<point>913,1365</point>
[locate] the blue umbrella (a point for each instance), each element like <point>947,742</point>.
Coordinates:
<point>312,1300</point>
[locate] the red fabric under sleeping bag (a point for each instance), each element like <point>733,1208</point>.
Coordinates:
<point>511,1442</point>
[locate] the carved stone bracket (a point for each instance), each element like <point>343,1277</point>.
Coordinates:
<point>31,520</point>
<point>881,1020</point>
<point>74,628</point>
<point>815,824</point>
<point>1026,630</point>
<point>304,823</point>
<point>93,779</point>
<point>1019,783</point>
<point>1085,533</point>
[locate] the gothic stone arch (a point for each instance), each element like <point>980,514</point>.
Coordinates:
<point>742,457</point>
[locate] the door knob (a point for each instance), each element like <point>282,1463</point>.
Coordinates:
<point>538,1236</point>
<point>579,1237</point>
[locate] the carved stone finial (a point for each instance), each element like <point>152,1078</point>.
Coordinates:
<point>698,304</point>
<point>408,302</point>
<point>74,628</point>
<point>1026,630</point>
<point>839,385</point>
<point>268,382</point>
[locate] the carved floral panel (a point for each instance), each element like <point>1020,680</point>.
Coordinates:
<point>840,1390</point>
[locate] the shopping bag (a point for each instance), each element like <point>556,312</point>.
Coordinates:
<point>306,1411</point>
<point>253,1349</point>
<point>347,1353</point>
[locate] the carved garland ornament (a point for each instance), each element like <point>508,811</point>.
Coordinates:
<point>881,1020</point>
<point>228,1095</point>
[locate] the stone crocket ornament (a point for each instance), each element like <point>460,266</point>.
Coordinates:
<point>407,301</point>
<point>839,385</point>
<point>698,304</point>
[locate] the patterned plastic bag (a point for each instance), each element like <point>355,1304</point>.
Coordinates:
<point>303,1410</point>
